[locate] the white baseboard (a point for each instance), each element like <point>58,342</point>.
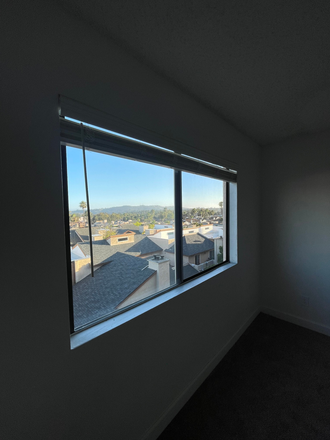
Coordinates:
<point>153,432</point>
<point>311,325</point>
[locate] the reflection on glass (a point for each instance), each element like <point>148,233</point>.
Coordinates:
<point>203,201</point>
<point>132,221</point>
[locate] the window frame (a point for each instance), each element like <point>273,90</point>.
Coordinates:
<point>181,283</point>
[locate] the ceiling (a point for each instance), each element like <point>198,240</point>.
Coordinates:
<point>261,65</point>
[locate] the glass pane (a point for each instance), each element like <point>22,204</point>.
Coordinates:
<point>203,214</point>
<point>132,219</point>
<point>78,219</point>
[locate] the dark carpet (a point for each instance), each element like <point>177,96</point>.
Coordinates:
<point>273,384</point>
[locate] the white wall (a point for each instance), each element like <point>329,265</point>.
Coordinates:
<point>296,230</point>
<point>171,257</point>
<point>118,385</point>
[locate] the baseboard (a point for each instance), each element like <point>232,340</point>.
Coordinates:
<point>153,432</point>
<point>311,325</point>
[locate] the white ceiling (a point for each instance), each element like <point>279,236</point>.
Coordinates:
<point>262,65</point>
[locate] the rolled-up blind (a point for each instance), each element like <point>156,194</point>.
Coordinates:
<point>71,133</point>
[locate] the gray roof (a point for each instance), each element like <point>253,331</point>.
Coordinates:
<point>95,297</point>
<point>143,245</point>
<point>128,227</point>
<point>193,244</point>
<point>84,233</point>
<point>102,250</point>
<point>188,271</point>
<point>74,238</point>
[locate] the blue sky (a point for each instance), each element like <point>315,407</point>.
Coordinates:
<point>114,181</point>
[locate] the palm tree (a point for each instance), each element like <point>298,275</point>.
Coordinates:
<point>83,206</point>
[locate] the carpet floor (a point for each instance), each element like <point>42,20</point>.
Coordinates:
<point>273,384</point>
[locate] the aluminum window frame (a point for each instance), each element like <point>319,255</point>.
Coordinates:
<point>178,224</point>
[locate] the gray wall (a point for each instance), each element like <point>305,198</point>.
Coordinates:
<point>119,384</point>
<point>296,230</point>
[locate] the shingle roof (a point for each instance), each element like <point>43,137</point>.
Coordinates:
<point>188,271</point>
<point>143,245</point>
<point>102,250</point>
<point>95,297</point>
<point>74,237</point>
<point>84,233</point>
<point>128,227</point>
<point>193,244</point>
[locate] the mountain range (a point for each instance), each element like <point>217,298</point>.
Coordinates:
<point>125,208</point>
<point>130,208</point>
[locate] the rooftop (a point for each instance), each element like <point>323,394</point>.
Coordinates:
<point>102,250</point>
<point>95,297</point>
<point>188,271</point>
<point>193,244</point>
<point>83,233</point>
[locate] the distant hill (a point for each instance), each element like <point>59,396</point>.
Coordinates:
<point>125,208</point>
<point>130,208</point>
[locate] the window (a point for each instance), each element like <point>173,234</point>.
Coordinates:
<point>128,185</point>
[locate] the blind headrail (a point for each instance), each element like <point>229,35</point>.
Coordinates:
<point>84,113</point>
<point>71,133</point>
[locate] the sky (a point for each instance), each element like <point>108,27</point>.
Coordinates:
<point>114,181</point>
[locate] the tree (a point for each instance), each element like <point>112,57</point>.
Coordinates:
<point>108,233</point>
<point>168,216</point>
<point>83,206</point>
<point>151,226</point>
<point>137,223</point>
<point>74,217</point>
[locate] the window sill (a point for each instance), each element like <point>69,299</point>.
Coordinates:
<point>87,335</point>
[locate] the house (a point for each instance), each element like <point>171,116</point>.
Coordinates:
<point>244,84</point>
<point>100,223</point>
<point>120,283</point>
<point>131,244</point>
<point>128,227</point>
<point>162,237</point>
<point>121,280</point>
<point>82,234</point>
<point>196,250</point>
<point>163,226</point>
